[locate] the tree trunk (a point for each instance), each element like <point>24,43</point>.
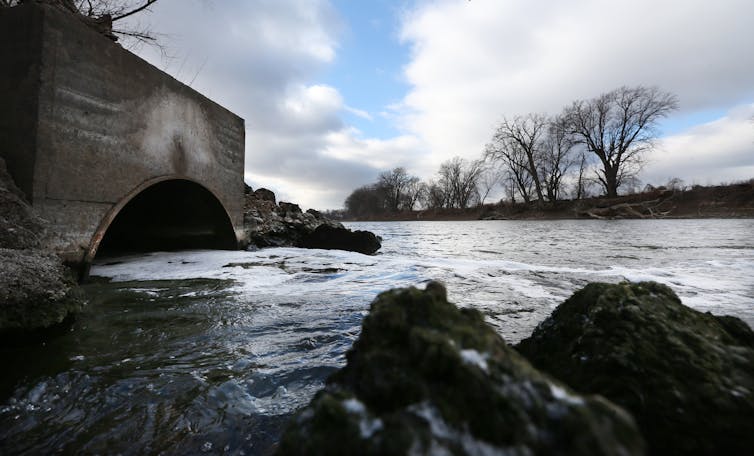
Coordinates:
<point>535,175</point>
<point>611,181</point>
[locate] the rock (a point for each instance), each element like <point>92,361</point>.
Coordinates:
<point>686,376</point>
<point>284,225</point>
<point>20,228</point>
<point>426,377</point>
<point>341,238</point>
<point>289,208</point>
<point>263,194</point>
<point>36,290</point>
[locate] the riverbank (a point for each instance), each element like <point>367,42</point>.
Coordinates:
<point>722,201</point>
<point>36,290</point>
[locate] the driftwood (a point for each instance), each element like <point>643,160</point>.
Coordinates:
<point>643,210</point>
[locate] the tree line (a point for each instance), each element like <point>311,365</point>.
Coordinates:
<point>457,186</point>
<point>535,157</point>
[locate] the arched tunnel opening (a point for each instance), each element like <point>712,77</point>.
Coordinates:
<point>169,215</point>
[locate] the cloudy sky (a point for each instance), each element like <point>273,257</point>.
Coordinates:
<point>335,91</point>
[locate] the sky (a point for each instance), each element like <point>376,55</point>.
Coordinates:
<point>333,92</point>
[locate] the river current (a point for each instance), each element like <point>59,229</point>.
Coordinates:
<point>212,351</point>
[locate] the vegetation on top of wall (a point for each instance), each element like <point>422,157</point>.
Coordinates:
<point>101,14</point>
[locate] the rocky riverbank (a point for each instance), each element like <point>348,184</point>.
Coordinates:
<point>36,290</point>
<point>272,224</point>
<point>425,377</point>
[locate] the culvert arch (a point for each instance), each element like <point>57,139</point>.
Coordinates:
<point>165,213</point>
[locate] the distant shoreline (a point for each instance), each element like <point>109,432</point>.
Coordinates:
<point>725,202</point>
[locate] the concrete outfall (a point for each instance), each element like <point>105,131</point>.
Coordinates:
<point>86,126</point>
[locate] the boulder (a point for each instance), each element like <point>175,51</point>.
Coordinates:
<point>341,238</point>
<point>289,208</point>
<point>268,224</point>
<point>36,290</point>
<point>263,194</point>
<point>426,377</point>
<point>686,376</point>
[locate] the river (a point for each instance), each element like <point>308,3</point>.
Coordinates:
<point>212,351</point>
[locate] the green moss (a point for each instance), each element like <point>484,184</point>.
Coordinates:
<point>420,356</point>
<point>36,290</point>
<point>687,377</point>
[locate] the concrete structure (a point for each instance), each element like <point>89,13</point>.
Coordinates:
<point>109,149</point>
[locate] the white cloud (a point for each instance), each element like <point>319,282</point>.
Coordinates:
<point>359,112</point>
<point>715,152</point>
<point>473,62</point>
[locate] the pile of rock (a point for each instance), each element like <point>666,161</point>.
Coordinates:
<point>36,290</point>
<point>272,224</point>
<point>428,378</point>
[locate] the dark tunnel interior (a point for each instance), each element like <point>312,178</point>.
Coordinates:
<point>170,215</point>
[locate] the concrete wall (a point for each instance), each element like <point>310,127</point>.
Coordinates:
<point>98,123</point>
<point>20,45</point>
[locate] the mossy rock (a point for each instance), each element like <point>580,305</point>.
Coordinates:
<point>36,290</point>
<point>686,376</point>
<point>426,377</point>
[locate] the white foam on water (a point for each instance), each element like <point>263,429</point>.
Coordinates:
<point>478,269</point>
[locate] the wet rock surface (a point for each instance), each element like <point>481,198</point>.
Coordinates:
<point>36,290</point>
<point>334,237</point>
<point>686,376</point>
<point>284,224</point>
<point>426,377</point>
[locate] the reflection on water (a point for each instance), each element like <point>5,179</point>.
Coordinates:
<point>209,351</point>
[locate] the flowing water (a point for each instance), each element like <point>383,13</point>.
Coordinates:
<point>212,351</point>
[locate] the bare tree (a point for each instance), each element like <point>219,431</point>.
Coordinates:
<point>436,197</point>
<point>581,184</point>
<point>510,186</point>
<point>491,177</point>
<point>414,193</point>
<point>675,184</point>
<point>395,183</point>
<point>515,161</point>
<point>101,14</point>
<point>619,127</point>
<point>460,178</point>
<point>523,137</point>
<point>556,158</point>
